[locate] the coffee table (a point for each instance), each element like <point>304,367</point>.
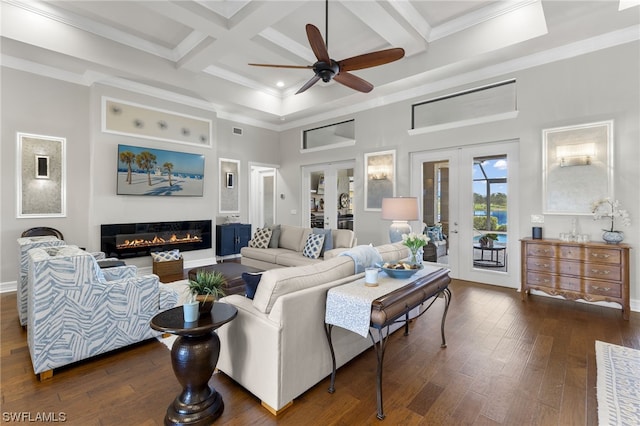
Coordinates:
<point>232,272</point>
<point>194,356</point>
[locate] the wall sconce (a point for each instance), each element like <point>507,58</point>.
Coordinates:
<point>576,154</point>
<point>42,166</point>
<point>399,210</point>
<point>378,171</point>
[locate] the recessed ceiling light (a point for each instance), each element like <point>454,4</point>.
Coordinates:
<point>280,84</point>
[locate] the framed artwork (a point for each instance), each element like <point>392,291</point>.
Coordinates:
<point>149,171</point>
<point>41,183</point>
<point>577,167</point>
<point>130,119</point>
<point>379,178</point>
<point>229,200</point>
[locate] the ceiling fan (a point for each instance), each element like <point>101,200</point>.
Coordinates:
<point>327,69</point>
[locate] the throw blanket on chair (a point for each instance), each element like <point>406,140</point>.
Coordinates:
<point>363,257</point>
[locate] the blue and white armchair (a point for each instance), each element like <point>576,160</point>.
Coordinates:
<point>75,313</point>
<point>24,245</point>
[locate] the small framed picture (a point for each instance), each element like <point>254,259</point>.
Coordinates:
<point>230,180</point>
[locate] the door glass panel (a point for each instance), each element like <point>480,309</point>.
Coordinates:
<point>435,210</point>
<point>490,212</point>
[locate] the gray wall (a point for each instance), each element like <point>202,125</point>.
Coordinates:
<point>599,86</point>
<point>40,105</point>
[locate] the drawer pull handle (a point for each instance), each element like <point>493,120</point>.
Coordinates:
<point>600,255</point>
<point>546,280</point>
<point>597,271</point>
<point>546,265</point>
<point>595,287</point>
<point>542,251</point>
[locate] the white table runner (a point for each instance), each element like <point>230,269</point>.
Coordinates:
<point>349,305</point>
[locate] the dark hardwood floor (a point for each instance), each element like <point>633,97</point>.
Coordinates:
<point>507,362</point>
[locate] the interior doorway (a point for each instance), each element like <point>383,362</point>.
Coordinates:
<point>330,195</point>
<point>470,195</point>
<point>262,195</point>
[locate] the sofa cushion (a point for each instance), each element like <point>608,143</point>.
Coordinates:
<point>313,247</point>
<point>291,237</point>
<point>393,252</point>
<point>328,239</point>
<point>343,238</point>
<point>275,236</point>
<point>261,238</point>
<point>295,258</point>
<point>165,256</point>
<point>277,282</point>
<point>251,282</point>
<point>268,255</point>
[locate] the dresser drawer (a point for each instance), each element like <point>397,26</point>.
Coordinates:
<point>604,288</point>
<point>541,264</point>
<point>586,286</point>
<point>590,270</point>
<point>545,250</point>
<point>603,255</point>
<point>556,282</point>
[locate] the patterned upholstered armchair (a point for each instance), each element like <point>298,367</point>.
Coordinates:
<point>24,245</point>
<point>75,313</point>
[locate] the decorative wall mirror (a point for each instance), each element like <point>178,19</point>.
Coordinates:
<point>229,172</point>
<point>41,182</point>
<point>577,167</point>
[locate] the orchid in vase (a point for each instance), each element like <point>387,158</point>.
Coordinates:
<point>415,242</point>
<point>610,210</point>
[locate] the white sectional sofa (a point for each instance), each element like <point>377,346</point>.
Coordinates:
<point>277,347</point>
<point>287,250</point>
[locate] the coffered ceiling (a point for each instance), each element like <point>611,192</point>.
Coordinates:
<point>197,51</point>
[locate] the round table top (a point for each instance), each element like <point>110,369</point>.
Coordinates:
<point>494,247</point>
<point>172,320</point>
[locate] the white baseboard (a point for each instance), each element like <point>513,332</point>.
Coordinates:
<point>8,286</point>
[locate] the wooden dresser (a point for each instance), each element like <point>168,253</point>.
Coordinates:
<point>590,271</point>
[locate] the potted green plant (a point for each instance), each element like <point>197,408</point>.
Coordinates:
<point>487,240</point>
<point>208,286</point>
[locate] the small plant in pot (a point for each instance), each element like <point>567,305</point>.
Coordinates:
<point>487,240</point>
<point>208,287</point>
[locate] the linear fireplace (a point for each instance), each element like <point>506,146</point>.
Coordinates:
<point>126,240</point>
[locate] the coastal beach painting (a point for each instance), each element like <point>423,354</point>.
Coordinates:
<point>149,171</point>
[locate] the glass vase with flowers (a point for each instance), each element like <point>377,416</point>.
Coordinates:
<point>415,242</point>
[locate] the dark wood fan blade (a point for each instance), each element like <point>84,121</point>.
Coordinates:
<point>372,59</point>
<point>317,43</point>
<point>283,66</point>
<point>354,82</point>
<point>309,83</point>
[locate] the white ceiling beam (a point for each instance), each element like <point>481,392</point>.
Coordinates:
<point>413,17</point>
<point>378,19</point>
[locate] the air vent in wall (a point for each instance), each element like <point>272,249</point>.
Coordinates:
<point>237,131</point>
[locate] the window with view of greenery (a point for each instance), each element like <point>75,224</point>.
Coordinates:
<point>490,194</point>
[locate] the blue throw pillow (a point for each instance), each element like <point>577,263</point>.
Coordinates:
<point>251,282</point>
<point>328,239</point>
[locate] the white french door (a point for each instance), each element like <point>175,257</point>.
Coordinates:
<point>458,200</point>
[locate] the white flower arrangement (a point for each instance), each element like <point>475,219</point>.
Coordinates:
<point>414,241</point>
<point>610,210</point>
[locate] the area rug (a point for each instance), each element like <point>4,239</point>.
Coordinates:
<point>618,385</point>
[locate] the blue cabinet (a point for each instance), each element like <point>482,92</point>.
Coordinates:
<point>230,238</point>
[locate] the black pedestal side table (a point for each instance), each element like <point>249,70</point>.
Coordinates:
<point>194,356</point>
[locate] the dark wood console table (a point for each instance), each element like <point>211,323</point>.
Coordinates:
<point>394,306</point>
<point>194,356</point>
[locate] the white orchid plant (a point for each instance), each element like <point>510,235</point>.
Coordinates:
<point>610,210</point>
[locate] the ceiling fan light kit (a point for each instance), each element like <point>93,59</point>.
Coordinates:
<point>327,69</point>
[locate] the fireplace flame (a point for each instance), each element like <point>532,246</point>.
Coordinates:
<point>156,240</point>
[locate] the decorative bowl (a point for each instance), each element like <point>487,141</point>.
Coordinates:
<point>401,273</point>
